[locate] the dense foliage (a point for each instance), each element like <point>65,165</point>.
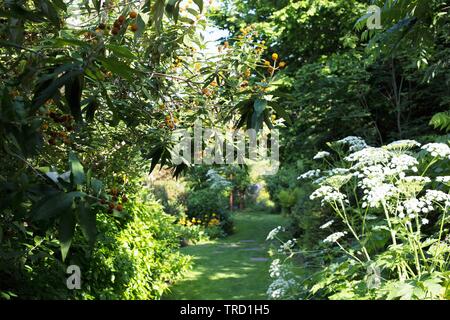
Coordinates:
<point>343,79</point>
<point>93,93</point>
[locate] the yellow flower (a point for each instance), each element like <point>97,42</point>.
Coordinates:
<point>267,63</point>
<point>282,64</point>
<point>275,56</point>
<point>214,222</point>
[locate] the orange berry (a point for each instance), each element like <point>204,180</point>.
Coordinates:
<point>134,27</point>
<point>115,31</point>
<point>121,19</point>
<point>133,14</point>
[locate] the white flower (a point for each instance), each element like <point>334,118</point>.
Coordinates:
<point>400,163</point>
<point>337,171</point>
<point>425,221</point>
<point>320,180</point>
<point>327,224</point>
<point>275,269</point>
<point>416,206</point>
<point>355,143</point>
<point>287,246</point>
<point>369,156</point>
<point>376,195</point>
<point>334,237</point>
<point>402,145</point>
<point>321,155</point>
<point>417,179</point>
<point>272,234</point>
<point>437,196</point>
<point>310,174</point>
<point>328,194</point>
<point>441,150</point>
<point>443,179</point>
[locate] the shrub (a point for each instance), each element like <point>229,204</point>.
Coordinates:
<point>133,258</point>
<point>202,204</point>
<point>139,261</point>
<point>391,218</point>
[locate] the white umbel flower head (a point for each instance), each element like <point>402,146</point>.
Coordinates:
<point>443,179</point>
<point>402,145</point>
<point>321,155</point>
<point>328,195</point>
<point>309,174</point>
<point>332,238</point>
<point>354,143</point>
<point>327,224</point>
<point>440,150</point>
<point>272,234</point>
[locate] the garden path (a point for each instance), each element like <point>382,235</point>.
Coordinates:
<point>236,267</point>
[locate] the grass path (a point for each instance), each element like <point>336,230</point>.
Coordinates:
<point>232,268</point>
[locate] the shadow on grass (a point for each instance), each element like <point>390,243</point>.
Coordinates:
<point>225,269</point>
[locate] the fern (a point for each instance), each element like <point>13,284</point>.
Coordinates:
<point>441,121</point>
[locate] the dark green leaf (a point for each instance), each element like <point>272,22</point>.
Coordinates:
<point>73,92</point>
<point>55,205</point>
<point>87,218</point>
<point>118,68</point>
<point>77,171</point>
<point>66,231</point>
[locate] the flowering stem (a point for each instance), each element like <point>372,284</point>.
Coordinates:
<point>416,255</point>
<point>345,218</point>
<point>388,219</point>
<point>429,165</point>
<point>392,231</point>
<point>347,252</point>
<point>417,239</point>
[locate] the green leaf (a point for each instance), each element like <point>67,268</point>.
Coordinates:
<point>258,106</point>
<point>118,68</point>
<point>158,10</point>
<point>47,89</point>
<point>121,51</point>
<point>76,168</point>
<point>97,5</point>
<point>87,218</point>
<point>199,3</point>
<point>156,156</point>
<point>50,12</point>
<point>66,231</point>
<point>73,92</point>
<point>97,186</point>
<point>55,205</point>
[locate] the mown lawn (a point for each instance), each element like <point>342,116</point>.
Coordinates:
<point>232,268</point>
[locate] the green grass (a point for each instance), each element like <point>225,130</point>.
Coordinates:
<point>224,269</point>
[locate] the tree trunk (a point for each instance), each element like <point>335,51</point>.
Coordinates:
<point>231,200</point>
<point>241,200</point>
